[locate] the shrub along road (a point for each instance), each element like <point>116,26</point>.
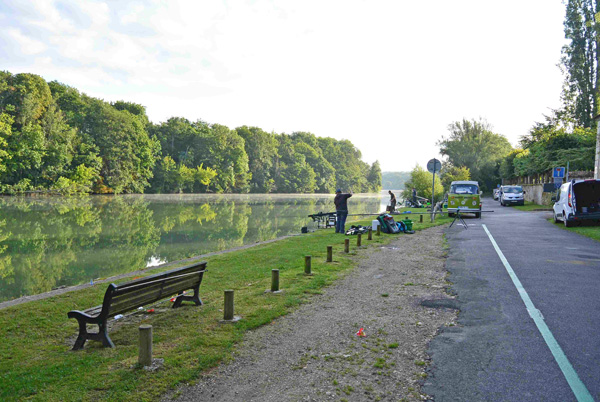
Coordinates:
<point>537,344</point>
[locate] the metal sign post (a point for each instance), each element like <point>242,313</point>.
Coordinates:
<point>433,165</point>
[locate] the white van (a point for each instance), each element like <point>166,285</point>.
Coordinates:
<point>511,195</point>
<point>577,201</point>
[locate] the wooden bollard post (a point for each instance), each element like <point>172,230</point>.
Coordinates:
<point>228,308</point>
<point>370,235</point>
<point>359,240</point>
<point>378,230</point>
<point>329,253</point>
<point>145,355</point>
<point>307,265</point>
<point>346,245</point>
<point>228,317</point>
<point>274,280</point>
<point>420,218</point>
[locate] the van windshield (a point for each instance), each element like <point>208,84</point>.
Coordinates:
<point>463,189</point>
<point>513,190</point>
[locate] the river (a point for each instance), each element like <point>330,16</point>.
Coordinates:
<point>48,242</point>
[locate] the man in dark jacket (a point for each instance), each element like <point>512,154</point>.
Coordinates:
<point>341,210</point>
<point>392,201</point>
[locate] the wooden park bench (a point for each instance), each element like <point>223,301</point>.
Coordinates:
<point>129,296</point>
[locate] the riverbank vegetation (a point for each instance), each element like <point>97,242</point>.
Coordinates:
<point>568,135</point>
<point>472,146</point>
<point>49,242</point>
<point>37,362</point>
<point>394,180</point>
<point>54,138</point>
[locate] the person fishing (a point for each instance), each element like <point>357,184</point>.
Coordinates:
<point>414,197</point>
<point>392,201</point>
<point>341,210</point>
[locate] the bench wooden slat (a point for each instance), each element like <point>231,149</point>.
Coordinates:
<point>143,299</point>
<point>133,294</point>
<point>156,291</point>
<point>127,287</point>
<point>179,271</point>
<point>94,310</point>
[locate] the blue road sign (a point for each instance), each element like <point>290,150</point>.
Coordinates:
<point>558,172</point>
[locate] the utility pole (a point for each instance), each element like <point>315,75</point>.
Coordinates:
<point>597,162</point>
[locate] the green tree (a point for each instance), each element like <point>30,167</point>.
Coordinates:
<point>292,173</point>
<point>453,173</point>
<point>224,151</point>
<point>307,145</point>
<point>374,178</point>
<point>394,180</point>
<point>507,167</point>
<point>580,62</point>
<point>127,151</point>
<point>549,146</point>
<point>6,121</point>
<point>472,144</point>
<point>261,148</point>
<point>38,145</point>
<point>422,181</point>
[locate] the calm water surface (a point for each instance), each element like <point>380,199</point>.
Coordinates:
<point>46,242</point>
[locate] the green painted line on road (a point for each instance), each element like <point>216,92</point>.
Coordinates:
<point>578,388</point>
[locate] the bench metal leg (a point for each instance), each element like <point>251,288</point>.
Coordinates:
<point>195,298</point>
<point>101,336</point>
<point>82,337</point>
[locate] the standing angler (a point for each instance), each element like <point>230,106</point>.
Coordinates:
<point>392,201</point>
<point>341,207</point>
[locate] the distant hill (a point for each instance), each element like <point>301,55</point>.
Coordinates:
<point>394,180</point>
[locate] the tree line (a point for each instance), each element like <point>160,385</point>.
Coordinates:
<point>55,138</point>
<point>567,136</point>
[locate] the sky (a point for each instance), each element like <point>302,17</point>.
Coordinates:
<point>388,75</point>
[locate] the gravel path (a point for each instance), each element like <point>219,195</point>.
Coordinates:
<point>314,353</point>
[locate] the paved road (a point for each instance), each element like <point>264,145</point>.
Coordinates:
<point>497,352</point>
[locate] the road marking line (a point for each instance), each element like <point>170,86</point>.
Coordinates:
<point>578,388</point>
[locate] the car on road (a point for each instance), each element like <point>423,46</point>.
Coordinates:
<point>464,196</point>
<point>512,195</point>
<point>577,201</point>
<point>496,194</point>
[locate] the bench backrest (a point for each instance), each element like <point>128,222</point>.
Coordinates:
<point>130,295</point>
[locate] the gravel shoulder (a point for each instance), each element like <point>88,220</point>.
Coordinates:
<point>314,352</point>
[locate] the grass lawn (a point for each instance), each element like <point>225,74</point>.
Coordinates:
<point>37,336</point>
<point>530,206</point>
<point>588,229</point>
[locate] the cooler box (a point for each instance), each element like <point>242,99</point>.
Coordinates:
<point>374,224</point>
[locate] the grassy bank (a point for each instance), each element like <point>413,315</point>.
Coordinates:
<point>587,229</point>
<point>37,337</point>
<point>530,206</point>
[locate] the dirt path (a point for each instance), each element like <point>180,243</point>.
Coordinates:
<point>315,354</point>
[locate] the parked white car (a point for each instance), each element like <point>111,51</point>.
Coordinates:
<point>577,201</point>
<point>512,195</point>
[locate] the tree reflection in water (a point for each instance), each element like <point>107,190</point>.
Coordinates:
<point>47,242</point>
